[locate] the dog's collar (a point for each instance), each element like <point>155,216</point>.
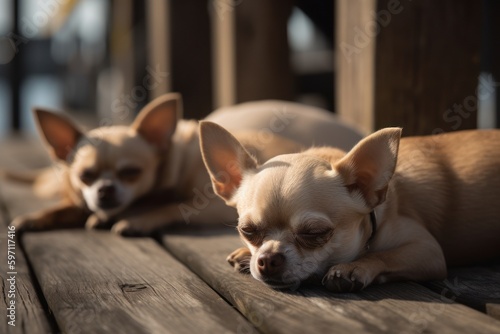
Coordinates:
<point>373,221</point>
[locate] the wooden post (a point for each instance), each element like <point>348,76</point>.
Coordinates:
<point>262,54</point>
<point>408,63</point>
<point>355,64</point>
<point>191,56</point>
<point>158,34</point>
<point>250,51</point>
<point>223,52</point>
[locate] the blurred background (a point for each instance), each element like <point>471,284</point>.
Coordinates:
<point>428,66</point>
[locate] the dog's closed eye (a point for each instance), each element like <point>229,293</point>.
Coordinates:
<point>313,237</point>
<point>251,232</point>
<point>129,174</point>
<point>88,176</point>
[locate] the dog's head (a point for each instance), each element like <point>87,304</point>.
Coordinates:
<point>112,166</point>
<point>299,214</point>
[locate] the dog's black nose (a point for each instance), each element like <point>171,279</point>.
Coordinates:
<point>106,192</point>
<point>270,263</point>
<point>107,197</point>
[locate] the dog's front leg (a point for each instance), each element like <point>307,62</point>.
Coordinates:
<point>418,259</point>
<point>212,211</point>
<point>64,215</point>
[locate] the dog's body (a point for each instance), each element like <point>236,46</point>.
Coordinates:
<point>450,184</point>
<point>372,215</point>
<point>104,171</point>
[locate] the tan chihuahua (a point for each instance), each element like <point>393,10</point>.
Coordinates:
<point>156,163</point>
<point>390,209</point>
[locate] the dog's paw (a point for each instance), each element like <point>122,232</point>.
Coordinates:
<point>127,229</point>
<point>240,260</point>
<point>347,277</point>
<point>93,223</point>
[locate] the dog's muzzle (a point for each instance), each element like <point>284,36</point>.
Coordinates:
<point>107,197</point>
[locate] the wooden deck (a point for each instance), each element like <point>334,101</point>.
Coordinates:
<point>74,281</point>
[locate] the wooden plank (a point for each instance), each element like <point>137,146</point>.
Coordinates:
<point>413,64</point>
<point>477,287</point>
<point>391,308</point>
<point>97,282</point>
<point>30,313</point>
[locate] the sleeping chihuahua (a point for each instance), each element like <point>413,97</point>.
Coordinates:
<point>390,209</point>
<point>147,175</point>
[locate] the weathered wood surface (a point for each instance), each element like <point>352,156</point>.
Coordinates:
<point>477,287</point>
<point>393,308</point>
<point>31,315</point>
<point>97,282</point>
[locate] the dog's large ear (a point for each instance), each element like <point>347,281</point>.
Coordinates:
<point>60,133</point>
<point>369,166</point>
<point>158,119</point>
<point>225,158</point>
